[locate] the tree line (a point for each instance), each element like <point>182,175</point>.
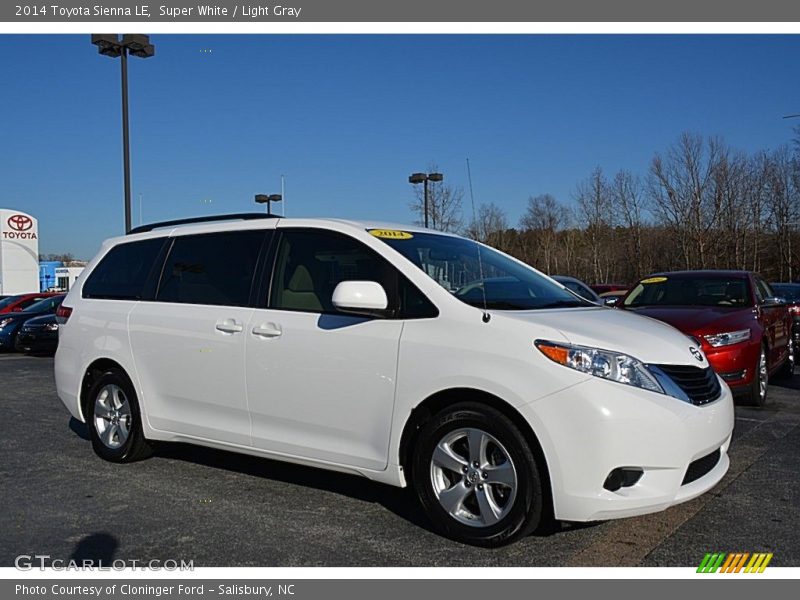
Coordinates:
<point>701,205</point>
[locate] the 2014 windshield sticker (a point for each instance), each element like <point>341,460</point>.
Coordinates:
<point>391,234</point>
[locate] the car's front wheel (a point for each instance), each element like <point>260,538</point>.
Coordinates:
<point>757,395</point>
<point>476,476</point>
<point>114,420</point>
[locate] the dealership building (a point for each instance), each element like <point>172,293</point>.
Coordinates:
<point>19,252</point>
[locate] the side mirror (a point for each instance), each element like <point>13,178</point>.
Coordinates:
<point>773,301</point>
<point>360,298</point>
<point>611,301</point>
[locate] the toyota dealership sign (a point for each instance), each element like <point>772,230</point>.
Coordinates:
<point>19,252</point>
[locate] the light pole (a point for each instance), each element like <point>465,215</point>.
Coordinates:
<point>424,178</point>
<point>110,44</point>
<point>265,199</point>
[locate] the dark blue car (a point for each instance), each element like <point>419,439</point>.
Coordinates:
<point>11,323</point>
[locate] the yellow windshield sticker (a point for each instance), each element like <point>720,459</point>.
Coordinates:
<point>391,234</point>
<point>653,280</point>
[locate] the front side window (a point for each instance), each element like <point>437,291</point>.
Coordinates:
<point>693,290</point>
<point>478,275</point>
<point>212,268</point>
<point>123,271</point>
<point>311,263</point>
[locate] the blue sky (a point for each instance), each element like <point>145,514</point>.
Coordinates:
<point>347,118</point>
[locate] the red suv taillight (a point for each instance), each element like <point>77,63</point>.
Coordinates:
<point>62,314</point>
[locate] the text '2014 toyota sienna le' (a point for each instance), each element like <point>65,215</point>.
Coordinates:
<point>399,354</point>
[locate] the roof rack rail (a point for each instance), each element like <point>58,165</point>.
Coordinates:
<point>208,219</point>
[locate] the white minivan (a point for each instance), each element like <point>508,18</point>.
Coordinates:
<point>407,356</point>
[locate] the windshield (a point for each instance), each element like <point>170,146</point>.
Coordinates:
<point>7,301</point>
<point>454,263</point>
<point>44,305</point>
<point>790,292</point>
<point>690,291</point>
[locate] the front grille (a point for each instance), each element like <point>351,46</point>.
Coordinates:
<point>702,466</point>
<point>700,385</point>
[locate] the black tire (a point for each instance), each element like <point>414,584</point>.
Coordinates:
<point>135,446</point>
<point>754,395</point>
<point>522,511</point>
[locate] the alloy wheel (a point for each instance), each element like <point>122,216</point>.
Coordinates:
<point>473,477</point>
<point>763,375</point>
<point>112,416</point>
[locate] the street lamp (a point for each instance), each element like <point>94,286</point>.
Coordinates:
<point>110,44</point>
<point>424,178</point>
<point>265,199</point>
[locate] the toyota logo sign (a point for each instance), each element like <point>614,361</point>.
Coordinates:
<point>20,222</point>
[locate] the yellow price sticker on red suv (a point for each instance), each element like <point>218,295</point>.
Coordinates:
<point>653,280</point>
<point>391,234</point>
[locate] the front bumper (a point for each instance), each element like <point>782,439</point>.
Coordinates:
<point>7,335</point>
<point>736,364</point>
<point>38,340</point>
<point>594,427</point>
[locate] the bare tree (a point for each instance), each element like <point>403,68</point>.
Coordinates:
<point>595,214</point>
<point>444,204</point>
<point>627,201</point>
<point>542,221</point>
<point>683,193</point>
<point>784,208</point>
<point>490,226</point>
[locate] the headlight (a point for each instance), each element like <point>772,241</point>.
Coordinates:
<point>5,322</point>
<point>728,338</point>
<point>601,363</point>
<point>51,327</point>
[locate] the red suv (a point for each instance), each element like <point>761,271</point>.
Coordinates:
<point>22,301</point>
<point>735,317</point>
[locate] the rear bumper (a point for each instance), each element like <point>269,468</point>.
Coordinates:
<point>597,426</point>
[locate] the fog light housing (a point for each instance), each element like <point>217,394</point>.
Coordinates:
<point>623,477</point>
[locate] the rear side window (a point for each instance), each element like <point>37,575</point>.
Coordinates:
<point>123,272</point>
<point>213,268</point>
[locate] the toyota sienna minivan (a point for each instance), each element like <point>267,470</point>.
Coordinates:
<point>407,356</point>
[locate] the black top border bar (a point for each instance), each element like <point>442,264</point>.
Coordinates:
<point>405,11</point>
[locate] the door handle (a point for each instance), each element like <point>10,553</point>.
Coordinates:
<point>229,326</point>
<point>267,330</point>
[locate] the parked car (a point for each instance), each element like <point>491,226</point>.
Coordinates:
<point>10,323</point>
<point>38,335</point>
<point>613,298</point>
<point>577,286</point>
<point>21,301</point>
<point>382,351</point>
<point>790,292</point>
<point>742,327</point>
<point>603,288</point>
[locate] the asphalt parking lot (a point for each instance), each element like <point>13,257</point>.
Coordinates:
<point>221,509</point>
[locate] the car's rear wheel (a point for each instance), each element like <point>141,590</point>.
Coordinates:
<point>114,420</point>
<point>476,476</point>
<point>758,389</point>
